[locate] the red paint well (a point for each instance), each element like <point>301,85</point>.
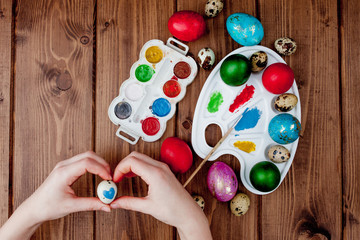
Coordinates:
<point>151,126</point>
<point>246,94</point>
<point>172,88</point>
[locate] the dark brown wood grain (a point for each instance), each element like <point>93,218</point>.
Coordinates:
<point>52,124</point>
<point>224,225</point>
<point>308,202</point>
<point>5,99</point>
<point>122,28</point>
<point>350,75</point>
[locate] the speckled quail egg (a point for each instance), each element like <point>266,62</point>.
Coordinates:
<point>258,61</point>
<point>278,154</point>
<point>240,204</point>
<point>285,46</point>
<point>106,191</point>
<point>200,201</point>
<point>285,102</point>
<point>213,7</point>
<point>206,58</point>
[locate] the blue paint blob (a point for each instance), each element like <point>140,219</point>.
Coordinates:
<point>249,119</point>
<point>109,194</point>
<point>161,107</point>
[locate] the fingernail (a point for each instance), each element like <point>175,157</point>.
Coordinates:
<point>114,205</point>
<point>105,209</point>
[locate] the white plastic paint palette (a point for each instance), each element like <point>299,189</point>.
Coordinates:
<point>261,101</point>
<point>147,100</point>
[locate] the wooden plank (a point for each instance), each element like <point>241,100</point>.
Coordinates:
<point>223,224</point>
<point>308,202</point>
<point>122,28</point>
<point>53,48</point>
<point>350,115</point>
<point>5,99</point>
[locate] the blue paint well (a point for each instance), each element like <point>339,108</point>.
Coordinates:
<point>109,194</point>
<point>249,119</point>
<point>161,107</point>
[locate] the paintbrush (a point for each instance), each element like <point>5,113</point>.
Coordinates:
<point>212,152</point>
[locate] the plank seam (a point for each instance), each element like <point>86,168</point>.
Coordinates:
<point>94,104</point>
<point>342,127</point>
<point>12,106</point>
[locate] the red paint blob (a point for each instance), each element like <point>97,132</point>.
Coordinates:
<point>172,88</point>
<point>182,70</point>
<point>246,94</point>
<point>151,126</point>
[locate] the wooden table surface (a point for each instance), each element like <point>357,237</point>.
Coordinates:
<point>91,46</point>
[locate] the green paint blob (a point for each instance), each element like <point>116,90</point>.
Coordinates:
<point>216,100</point>
<point>143,73</point>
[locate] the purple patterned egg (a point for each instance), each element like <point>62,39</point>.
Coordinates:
<point>222,181</point>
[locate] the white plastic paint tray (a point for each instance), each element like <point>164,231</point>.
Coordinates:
<point>134,105</point>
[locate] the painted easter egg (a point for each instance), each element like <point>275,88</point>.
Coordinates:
<point>177,154</point>
<point>245,29</point>
<point>284,128</point>
<point>278,78</point>
<point>285,102</point>
<point>222,181</point>
<point>278,154</point>
<point>187,25</point>
<point>265,176</point>
<point>235,70</point>
<point>106,191</point>
<point>200,201</point>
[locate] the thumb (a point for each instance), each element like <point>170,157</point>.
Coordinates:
<point>89,204</point>
<point>131,203</point>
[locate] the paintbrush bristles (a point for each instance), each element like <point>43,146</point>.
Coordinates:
<point>208,156</point>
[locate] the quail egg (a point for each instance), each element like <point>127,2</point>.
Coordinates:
<point>106,191</point>
<point>258,61</point>
<point>285,46</point>
<point>285,102</point>
<point>240,204</point>
<point>278,154</point>
<point>213,7</point>
<point>200,201</point>
<point>206,58</point>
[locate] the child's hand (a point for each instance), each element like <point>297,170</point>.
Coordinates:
<point>55,198</point>
<point>167,200</point>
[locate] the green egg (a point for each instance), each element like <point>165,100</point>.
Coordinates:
<point>265,176</point>
<point>235,70</point>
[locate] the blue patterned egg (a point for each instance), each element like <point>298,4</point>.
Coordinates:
<point>245,29</point>
<point>284,128</point>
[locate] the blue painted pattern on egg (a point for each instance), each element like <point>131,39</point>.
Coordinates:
<point>245,29</point>
<point>284,128</point>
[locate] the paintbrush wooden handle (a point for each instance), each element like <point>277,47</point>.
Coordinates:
<point>208,156</point>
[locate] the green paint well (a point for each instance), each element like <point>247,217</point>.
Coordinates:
<point>143,73</point>
<point>216,100</point>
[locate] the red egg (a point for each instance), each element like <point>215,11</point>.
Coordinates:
<point>187,25</point>
<point>177,154</point>
<point>278,78</point>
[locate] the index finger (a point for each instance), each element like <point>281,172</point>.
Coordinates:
<point>77,169</point>
<point>131,164</point>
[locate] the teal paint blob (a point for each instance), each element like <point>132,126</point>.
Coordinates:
<point>161,107</point>
<point>249,119</point>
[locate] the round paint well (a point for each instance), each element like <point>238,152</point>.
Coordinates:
<point>151,126</point>
<point>153,54</point>
<point>123,110</point>
<point>143,73</point>
<point>182,70</point>
<point>172,88</point>
<point>134,92</point>
<point>161,107</point>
